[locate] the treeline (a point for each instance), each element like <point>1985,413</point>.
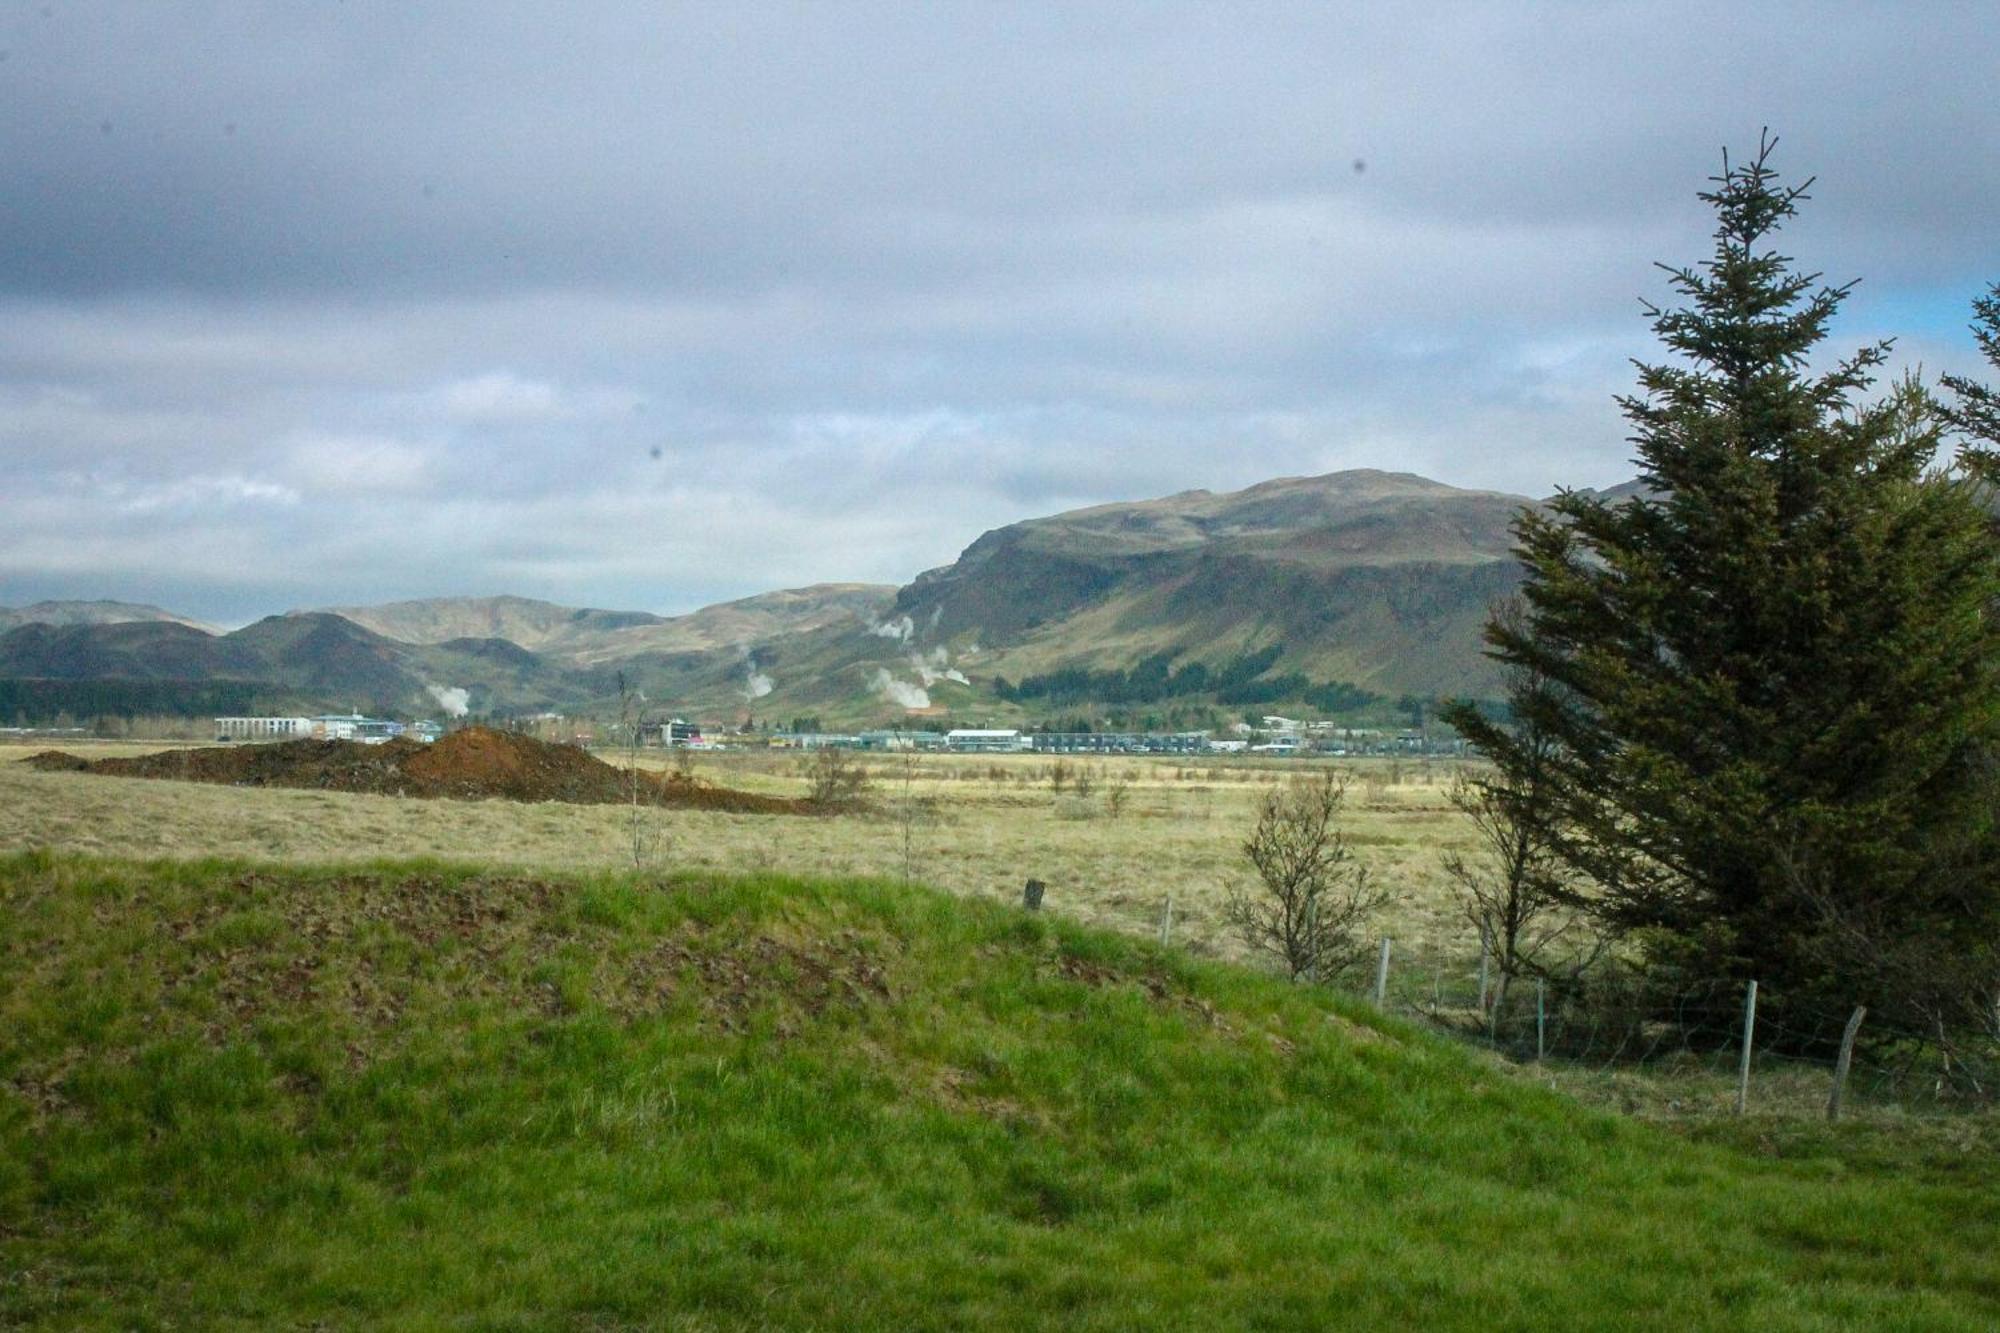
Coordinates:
<point>1155,679</point>
<point>28,702</point>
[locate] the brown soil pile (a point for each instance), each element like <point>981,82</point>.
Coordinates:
<point>477,763</point>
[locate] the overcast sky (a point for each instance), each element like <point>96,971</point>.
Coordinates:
<point>656,305</point>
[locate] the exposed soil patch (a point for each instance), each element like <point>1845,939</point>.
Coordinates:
<point>1158,989</point>
<point>477,763</point>
<point>359,951</point>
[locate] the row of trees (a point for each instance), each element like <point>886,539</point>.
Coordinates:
<point>1755,710</point>
<point>1243,679</point>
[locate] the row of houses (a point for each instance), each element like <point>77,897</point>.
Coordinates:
<point>985,740</point>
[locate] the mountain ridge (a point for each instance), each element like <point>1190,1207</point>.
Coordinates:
<point>1380,580</point>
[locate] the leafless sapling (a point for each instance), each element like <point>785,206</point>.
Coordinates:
<point>1313,897</point>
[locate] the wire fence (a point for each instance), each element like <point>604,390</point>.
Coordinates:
<point>1690,1033</point>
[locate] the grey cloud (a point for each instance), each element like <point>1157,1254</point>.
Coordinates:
<point>649,304</point>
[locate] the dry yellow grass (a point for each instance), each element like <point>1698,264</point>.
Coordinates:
<point>975,825</point>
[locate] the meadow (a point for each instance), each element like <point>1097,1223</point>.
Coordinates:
<point>1112,848</point>
<point>1113,837</point>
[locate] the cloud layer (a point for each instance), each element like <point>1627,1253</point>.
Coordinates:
<point>651,305</point>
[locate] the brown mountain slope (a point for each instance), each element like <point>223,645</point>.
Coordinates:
<point>585,636</point>
<point>63,614</point>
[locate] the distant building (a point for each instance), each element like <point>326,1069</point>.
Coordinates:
<point>1120,742</point>
<point>355,727</point>
<point>900,740</point>
<point>325,727</point>
<point>263,728</point>
<point>670,734</point>
<point>977,740</point>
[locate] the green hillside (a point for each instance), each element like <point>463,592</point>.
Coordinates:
<point>236,1096</point>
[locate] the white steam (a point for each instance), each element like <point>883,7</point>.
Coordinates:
<point>934,667</point>
<point>901,629</point>
<point>756,684</point>
<point>900,691</point>
<point>450,698</point>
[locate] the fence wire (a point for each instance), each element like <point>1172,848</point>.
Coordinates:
<point>1678,1027</point>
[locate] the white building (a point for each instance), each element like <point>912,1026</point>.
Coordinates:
<point>263,728</point>
<point>981,741</point>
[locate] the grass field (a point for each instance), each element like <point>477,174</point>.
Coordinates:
<point>428,1096</point>
<point>977,826</point>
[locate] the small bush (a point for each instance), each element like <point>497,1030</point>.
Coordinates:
<point>835,779</point>
<point>1313,897</point>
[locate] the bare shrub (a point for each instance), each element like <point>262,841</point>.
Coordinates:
<point>1059,775</point>
<point>1116,793</point>
<point>1313,896</point>
<point>1513,887</point>
<point>835,779</point>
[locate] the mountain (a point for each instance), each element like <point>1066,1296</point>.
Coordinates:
<point>1297,590</point>
<point>93,613</point>
<point>524,621</point>
<point>310,661</point>
<point>584,636</point>
<point>1371,577</point>
<point>1376,579</point>
<point>124,650</point>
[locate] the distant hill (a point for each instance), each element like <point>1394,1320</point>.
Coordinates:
<point>519,620</point>
<point>586,636</point>
<point>93,613</point>
<point>1376,579</point>
<point>1293,590</point>
<point>309,661</point>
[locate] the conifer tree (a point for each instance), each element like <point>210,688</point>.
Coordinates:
<point>1770,678</point>
<point>1975,411</point>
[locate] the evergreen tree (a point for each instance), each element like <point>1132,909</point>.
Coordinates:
<point>1976,411</point>
<point>1770,679</point>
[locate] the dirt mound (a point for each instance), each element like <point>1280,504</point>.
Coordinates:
<point>477,763</point>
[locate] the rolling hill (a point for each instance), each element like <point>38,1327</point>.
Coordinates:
<point>252,1096</point>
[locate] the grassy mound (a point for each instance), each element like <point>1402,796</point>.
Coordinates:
<point>474,763</point>
<point>411,1095</point>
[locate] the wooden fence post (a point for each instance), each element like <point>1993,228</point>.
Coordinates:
<point>1846,1059</point>
<point>1485,952</point>
<point>1749,1038</point>
<point>1541,1018</point>
<point>1382,974</point>
<point>1312,941</point>
<point>1031,895</point>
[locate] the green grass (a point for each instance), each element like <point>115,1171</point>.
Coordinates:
<point>428,1096</point>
